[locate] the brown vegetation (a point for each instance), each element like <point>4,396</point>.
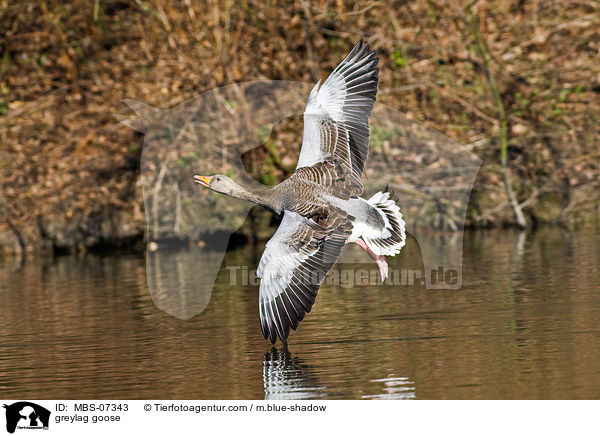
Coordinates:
<point>517,81</point>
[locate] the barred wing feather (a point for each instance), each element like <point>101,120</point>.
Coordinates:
<point>292,267</point>
<point>336,118</point>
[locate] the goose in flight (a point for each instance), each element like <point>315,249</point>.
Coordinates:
<point>320,202</point>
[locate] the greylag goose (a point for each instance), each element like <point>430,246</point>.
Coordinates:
<point>320,202</point>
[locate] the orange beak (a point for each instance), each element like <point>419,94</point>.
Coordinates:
<point>203,180</point>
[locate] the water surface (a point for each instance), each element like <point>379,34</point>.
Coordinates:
<point>525,324</point>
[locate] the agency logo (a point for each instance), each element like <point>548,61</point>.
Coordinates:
<point>26,415</point>
<point>219,132</point>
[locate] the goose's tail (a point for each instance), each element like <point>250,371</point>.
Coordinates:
<point>393,236</point>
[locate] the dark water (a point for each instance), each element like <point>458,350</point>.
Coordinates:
<point>525,324</point>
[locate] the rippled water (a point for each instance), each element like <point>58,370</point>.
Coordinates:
<point>525,324</point>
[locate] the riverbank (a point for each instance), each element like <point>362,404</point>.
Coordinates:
<point>519,90</point>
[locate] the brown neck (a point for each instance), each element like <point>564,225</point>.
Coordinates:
<point>266,199</point>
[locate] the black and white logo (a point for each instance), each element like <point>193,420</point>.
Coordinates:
<point>26,415</point>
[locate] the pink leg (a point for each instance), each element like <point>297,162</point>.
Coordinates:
<point>379,260</point>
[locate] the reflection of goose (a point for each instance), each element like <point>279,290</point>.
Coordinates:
<point>394,388</point>
<point>285,378</point>
<point>320,202</point>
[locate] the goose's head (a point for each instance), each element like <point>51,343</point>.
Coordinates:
<point>218,183</point>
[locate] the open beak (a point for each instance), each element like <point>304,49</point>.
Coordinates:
<point>203,180</point>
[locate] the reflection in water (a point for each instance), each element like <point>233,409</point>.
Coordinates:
<point>525,324</point>
<point>181,281</point>
<point>285,378</point>
<point>394,388</point>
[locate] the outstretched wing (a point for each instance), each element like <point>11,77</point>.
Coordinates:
<point>292,267</point>
<point>336,119</point>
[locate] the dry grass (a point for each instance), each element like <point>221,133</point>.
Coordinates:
<point>68,168</point>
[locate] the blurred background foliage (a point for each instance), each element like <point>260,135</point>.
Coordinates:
<point>515,81</point>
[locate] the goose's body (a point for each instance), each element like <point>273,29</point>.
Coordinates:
<point>320,203</point>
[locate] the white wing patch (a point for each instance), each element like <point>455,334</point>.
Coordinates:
<point>346,97</point>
